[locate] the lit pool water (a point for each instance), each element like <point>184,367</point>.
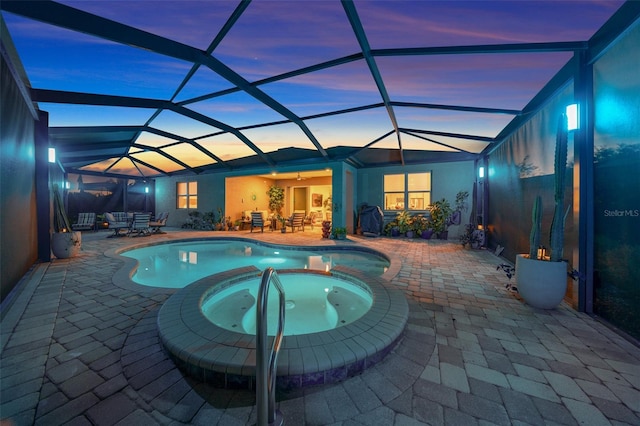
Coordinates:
<point>313,303</point>
<point>178,264</point>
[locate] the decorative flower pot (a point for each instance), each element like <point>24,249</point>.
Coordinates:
<point>409,234</point>
<point>541,283</point>
<point>66,244</point>
<point>395,232</point>
<point>427,233</point>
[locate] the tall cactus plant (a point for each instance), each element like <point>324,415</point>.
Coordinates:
<point>536,220</point>
<point>556,236</point>
<point>61,221</point>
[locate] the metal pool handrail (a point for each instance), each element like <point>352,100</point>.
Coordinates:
<point>266,377</point>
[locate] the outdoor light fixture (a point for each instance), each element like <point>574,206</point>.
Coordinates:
<point>146,189</point>
<point>52,155</point>
<point>481,172</point>
<point>572,117</point>
<point>67,185</point>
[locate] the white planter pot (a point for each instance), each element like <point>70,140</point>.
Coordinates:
<point>66,244</point>
<point>542,284</point>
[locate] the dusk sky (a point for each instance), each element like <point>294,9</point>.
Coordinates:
<point>275,37</point>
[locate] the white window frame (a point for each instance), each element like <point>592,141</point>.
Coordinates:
<point>402,195</point>
<point>187,198</point>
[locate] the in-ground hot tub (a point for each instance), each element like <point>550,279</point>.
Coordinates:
<point>314,303</point>
<point>222,351</point>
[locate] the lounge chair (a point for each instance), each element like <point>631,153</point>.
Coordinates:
<point>115,224</point>
<point>296,221</point>
<point>140,225</point>
<point>160,222</point>
<point>257,221</point>
<point>86,221</point>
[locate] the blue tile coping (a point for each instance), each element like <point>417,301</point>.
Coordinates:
<point>227,359</point>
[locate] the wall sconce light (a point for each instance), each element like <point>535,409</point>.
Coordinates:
<point>481,172</point>
<point>52,155</point>
<point>67,185</point>
<point>572,117</point>
<point>146,189</point>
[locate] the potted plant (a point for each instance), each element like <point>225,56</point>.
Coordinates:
<point>65,243</point>
<point>276,199</point>
<point>339,233</point>
<point>422,226</point>
<point>391,228</point>
<point>541,279</point>
<point>428,232</point>
<point>417,224</point>
<point>209,219</point>
<point>219,226</point>
<point>404,221</point>
<point>470,236</point>
<point>440,214</point>
<point>236,224</point>
<point>283,223</point>
<point>460,206</point>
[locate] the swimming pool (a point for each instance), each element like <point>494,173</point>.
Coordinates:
<point>178,264</point>
<point>313,303</point>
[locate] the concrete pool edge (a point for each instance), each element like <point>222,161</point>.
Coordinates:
<point>123,276</point>
<point>227,359</point>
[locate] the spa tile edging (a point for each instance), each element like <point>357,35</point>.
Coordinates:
<point>227,359</point>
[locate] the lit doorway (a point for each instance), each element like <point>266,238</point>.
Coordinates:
<point>300,199</point>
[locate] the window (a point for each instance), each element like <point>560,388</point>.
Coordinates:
<point>187,195</point>
<point>410,191</point>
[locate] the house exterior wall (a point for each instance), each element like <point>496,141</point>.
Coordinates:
<point>211,195</point>
<point>236,192</point>
<point>447,179</point>
<point>233,192</point>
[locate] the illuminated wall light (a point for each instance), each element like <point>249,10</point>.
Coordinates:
<point>67,185</point>
<point>52,155</point>
<point>146,189</point>
<point>572,117</point>
<point>480,172</point>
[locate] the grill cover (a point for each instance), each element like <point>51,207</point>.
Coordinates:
<point>371,221</point>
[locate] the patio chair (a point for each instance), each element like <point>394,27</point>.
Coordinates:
<point>140,225</point>
<point>311,219</point>
<point>257,221</point>
<point>121,216</point>
<point>160,222</point>
<point>86,221</point>
<point>296,221</point>
<point>116,225</point>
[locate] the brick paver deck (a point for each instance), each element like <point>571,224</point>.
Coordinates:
<point>79,345</point>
